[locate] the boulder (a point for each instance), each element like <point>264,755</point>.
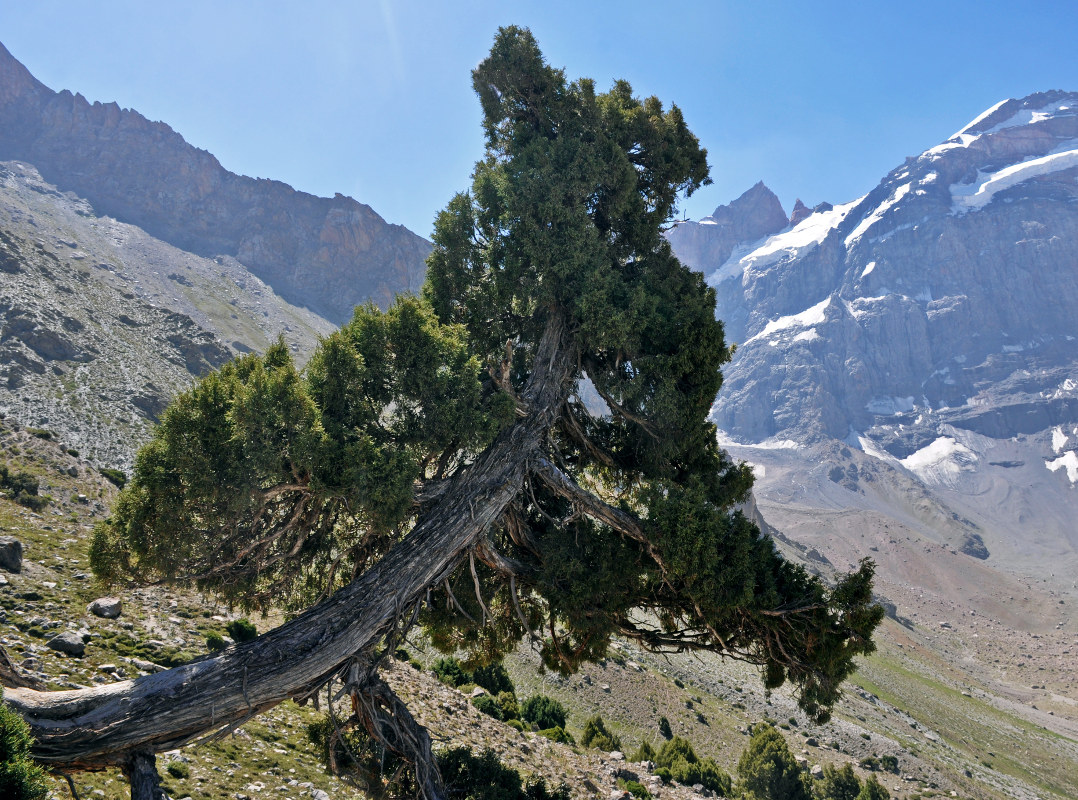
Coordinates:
<point>70,643</point>
<point>10,554</point>
<point>106,607</point>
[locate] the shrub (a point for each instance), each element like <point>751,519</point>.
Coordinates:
<point>242,630</point>
<point>663,774</point>
<point>645,752</point>
<point>545,712</point>
<point>558,734</point>
<point>767,769</point>
<point>20,777</point>
<point>494,679</point>
<point>596,735</point>
<point>215,641</point>
<point>177,769</point>
<point>889,763</point>
<point>489,706</point>
<point>664,728</point>
<point>449,671</point>
<point>40,433</point>
<point>636,789</point>
<point>484,777</point>
<point>115,476</point>
<point>508,702</point>
<point>679,762</point>
<point>837,783</point>
<point>873,790</point>
<point>516,725</point>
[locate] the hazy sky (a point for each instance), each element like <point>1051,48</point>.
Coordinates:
<point>374,100</point>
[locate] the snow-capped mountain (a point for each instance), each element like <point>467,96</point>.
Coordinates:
<point>928,328</point>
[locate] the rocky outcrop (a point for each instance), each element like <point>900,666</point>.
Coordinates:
<point>328,254</point>
<point>706,244</point>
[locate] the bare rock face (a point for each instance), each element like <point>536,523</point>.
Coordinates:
<point>10,554</point>
<point>706,244</point>
<point>946,293</point>
<point>327,254</point>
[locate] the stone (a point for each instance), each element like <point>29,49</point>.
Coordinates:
<point>816,771</point>
<point>69,643</point>
<point>10,554</point>
<point>318,794</point>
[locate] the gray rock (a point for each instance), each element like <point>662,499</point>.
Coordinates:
<point>69,643</point>
<point>10,554</point>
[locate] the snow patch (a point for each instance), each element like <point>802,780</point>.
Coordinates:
<point>941,462</point>
<point>930,178</point>
<point>975,196</point>
<point>871,265</point>
<point>807,336</point>
<point>805,319</point>
<point>982,117</point>
<point>1059,439</point>
<point>1067,461</point>
<point>877,214</point>
<point>807,234</point>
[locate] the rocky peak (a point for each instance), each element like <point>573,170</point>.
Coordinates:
<point>328,254</point>
<point>705,244</point>
<point>800,212</point>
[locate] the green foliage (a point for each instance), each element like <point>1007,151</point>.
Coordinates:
<point>41,433</point>
<point>509,706</point>
<point>215,641</point>
<point>22,487</point>
<point>767,769</point>
<point>484,777</point>
<point>678,761</point>
<point>889,764</point>
<point>872,789</point>
<point>543,712</point>
<point>664,728</point>
<point>242,630</point>
<point>493,678</point>
<point>269,486</point>
<point>837,783</point>
<point>645,752</point>
<point>117,477</point>
<point>558,734</point>
<point>20,777</point>
<point>449,671</point>
<point>489,706</point>
<point>635,788</point>
<point>177,769</point>
<point>596,735</point>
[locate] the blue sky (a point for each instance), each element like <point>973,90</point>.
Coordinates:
<point>374,100</point>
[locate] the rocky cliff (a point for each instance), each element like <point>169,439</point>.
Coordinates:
<point>929,328</point>
<point>328,254</point>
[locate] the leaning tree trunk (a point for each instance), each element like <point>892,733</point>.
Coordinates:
<point>105,726</point>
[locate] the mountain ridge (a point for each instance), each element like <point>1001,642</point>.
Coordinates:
<point>328,254</point>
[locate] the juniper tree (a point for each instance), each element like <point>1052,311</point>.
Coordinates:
<point>440,462</point>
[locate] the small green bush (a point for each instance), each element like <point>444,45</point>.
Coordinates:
<point>645,752</point>
<point>545,712</point>
<point>558,734</point>
<point>449,671</point>
<point>484,777</point>
<point>215,641</point>
<point>242,630</point>
<point>20,777</point>
<point>489,706</point>
<point>516,725</point>
<point>636,789</point>
<point>889,764</point>
<point>40,433</point>
<point>177,769</point>
<point>597,736</point>
<point>494,679</point>
<point>664,728</point>
<point>114,476</point>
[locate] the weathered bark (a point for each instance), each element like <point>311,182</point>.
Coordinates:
<point>141,772</point>
<point>91,728</point>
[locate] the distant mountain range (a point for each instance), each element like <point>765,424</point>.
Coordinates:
<point>326,254</point>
